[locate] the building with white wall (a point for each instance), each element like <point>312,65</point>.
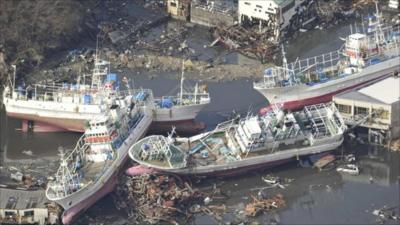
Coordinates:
<point>383,98</point>
<point>265,11</point>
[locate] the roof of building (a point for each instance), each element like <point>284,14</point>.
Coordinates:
<point>20,199</point>
<point>283,3</point>
<point>386,91</point>
<point>357,96</point>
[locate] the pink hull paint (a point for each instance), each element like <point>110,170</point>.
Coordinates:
<point>39,127</point>
<point>182,126</point>
<point>139,170</point>
<point>299,104</point>
<point>50,124</point>
<point>71,214</point>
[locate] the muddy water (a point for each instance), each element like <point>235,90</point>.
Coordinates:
<point>312,198</point>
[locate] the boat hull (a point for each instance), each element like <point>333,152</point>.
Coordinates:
<point>258,162</point>
<point>48,124</point>
<point>80,201</point>
<point>182,126</point>
<point>53,118</point>
<point>296,97</point>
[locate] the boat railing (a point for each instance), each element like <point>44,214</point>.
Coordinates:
<point>71,183</point>
<point>328,60</point>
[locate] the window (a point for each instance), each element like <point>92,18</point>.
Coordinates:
<point>360,111</point>
<point>259,6</point>
<point>247,3</point>
<point>384,114</point>
<point>28,213</point>
<point>344,108</point>
<point>173,4</point>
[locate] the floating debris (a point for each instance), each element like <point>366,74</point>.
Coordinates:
<point>324,161</point>
<point>386,213</point>
<point>154,198</point>
<point>254,208</point>
<point>349,168</point>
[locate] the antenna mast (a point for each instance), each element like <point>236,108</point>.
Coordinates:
<point>182,78</point>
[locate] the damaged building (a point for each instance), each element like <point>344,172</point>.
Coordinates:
<point>26,207</point>
<point>379,104</point>
<point>179,9</point>
<point>267,12</point>
<point>212,13</point>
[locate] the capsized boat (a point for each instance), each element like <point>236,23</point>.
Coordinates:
<point>90,171</point>
<point>238,146</point>
<point>364,58</point>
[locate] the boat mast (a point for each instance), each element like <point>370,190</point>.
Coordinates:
<point>195,93</point>
<point>13,83</point>
<point>379,37</point>
<point>182,78</point>
<point>285,65</point>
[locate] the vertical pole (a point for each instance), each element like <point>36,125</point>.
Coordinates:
<point>195,93</point>
<point>13,83</point>
<point>183,71</point>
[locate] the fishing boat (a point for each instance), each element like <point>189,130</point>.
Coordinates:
<point>90,171</point>
<point>67,107</point>
<point>52,107</point>
<point>181,109</point>
<point>364,58</point>
<point>235,147</point>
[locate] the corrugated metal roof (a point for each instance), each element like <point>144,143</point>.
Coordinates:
<point>357,96</point>
<point>387,90</point>
<point>283,3</point>
<point>19,199</point>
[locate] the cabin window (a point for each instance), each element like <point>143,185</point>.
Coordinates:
<point>259,6</point>
<point>344,108</point>
<point>247,3</point>
<point>173,4</point>
<point>360,111</point>
<point>9,213</point>
<point>28,213</point>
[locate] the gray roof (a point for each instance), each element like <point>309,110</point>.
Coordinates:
<point>19,199</point>
<point>358,96</point>
<point>283,3</point>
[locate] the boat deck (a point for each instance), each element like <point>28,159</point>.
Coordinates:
<point>94,170</point>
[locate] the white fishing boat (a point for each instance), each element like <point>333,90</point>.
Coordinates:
<point>252,142</point>
<point>181,109</point>
<point>364,58</point>
<point>62,106</point>
<point>90,171</point>
<point>67,107</point>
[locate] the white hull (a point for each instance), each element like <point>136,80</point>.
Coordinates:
<point>177,113</point>
<point>303,92</point>
<point>80,196</point>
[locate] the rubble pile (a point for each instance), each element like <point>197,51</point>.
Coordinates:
<point>257,206</point>
<point>251,42</point>
<point>154,198</point>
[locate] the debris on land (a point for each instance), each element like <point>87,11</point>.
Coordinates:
<point>151,198</point>
<point>257,206</point>
<point>249,42</point>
